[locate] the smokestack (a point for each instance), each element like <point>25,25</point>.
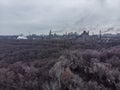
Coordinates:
<point>100,34</point>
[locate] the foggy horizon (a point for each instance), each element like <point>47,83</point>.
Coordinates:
<point>38,16</point>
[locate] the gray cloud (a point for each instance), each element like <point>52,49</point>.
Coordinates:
<point>39,16</point>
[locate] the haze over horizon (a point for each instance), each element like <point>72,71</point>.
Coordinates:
<point>39,16</point>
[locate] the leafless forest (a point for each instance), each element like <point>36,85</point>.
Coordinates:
<point>66,64</point>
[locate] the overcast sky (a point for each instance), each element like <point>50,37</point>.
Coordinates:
<point>39,16</point>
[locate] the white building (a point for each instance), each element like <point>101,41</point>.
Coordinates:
<point>22,37</point>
